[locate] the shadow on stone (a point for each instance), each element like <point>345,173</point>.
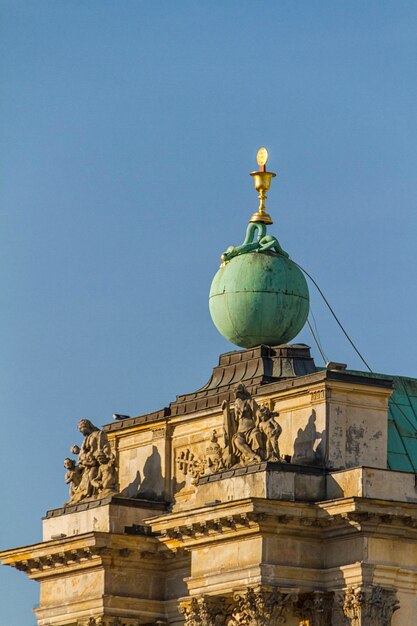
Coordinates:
<point>305,452</point>
<point>152,485</point>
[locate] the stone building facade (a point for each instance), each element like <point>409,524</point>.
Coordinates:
<point>269,496</point>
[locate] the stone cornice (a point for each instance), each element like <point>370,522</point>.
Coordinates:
<point>256,515</point>
<point>89,550</point>
<point>214,522</point>
<point>291,468</point>
<point>359,510</point>
<point>246,517</point>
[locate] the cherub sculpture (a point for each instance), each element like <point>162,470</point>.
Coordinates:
<point>73,475</point>
<point>105,481</point>
<point>272,431</point>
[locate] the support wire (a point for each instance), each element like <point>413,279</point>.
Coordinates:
<point>347,337</point>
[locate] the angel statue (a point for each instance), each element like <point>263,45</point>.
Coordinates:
<point>244,440</point>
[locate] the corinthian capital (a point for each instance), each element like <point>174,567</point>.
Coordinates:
<point>102,620</point>
<point>370,606</point>
<point>205,610</point>
<point>261,606</point>
<point>314,608</point>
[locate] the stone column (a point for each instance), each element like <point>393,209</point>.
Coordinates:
<point>369,606</point>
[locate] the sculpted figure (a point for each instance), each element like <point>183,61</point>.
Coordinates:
<point>105,481</point>
<point>262,243</point>
<point>243,437</point>
<point>96,464</point>
<point>272,430</point>
<point>73,475</point>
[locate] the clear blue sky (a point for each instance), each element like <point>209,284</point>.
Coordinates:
<point>128,129</point>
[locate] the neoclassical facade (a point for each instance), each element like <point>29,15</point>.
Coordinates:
<point>269,496</point>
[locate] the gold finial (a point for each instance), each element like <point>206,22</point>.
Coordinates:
<point>262,181</point>
<point>262,158</point>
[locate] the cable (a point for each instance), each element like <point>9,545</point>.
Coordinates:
<point>317,331</point>
<point>347,337</point>
<point>317,343</point>
<point>334,314</point>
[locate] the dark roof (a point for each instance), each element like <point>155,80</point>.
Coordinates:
<point>275,366</point>
<point>254,367</point>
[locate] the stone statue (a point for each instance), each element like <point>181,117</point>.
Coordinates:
<point>272,431</point>
<point>73,475</point>
<point>243,437</point>
<point>95,475</point>
<point>250,434</point>
<point>105,481</point>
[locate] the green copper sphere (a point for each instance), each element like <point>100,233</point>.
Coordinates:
<point>259,298</point>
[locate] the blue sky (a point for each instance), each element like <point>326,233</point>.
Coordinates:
<point>128,129</point>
